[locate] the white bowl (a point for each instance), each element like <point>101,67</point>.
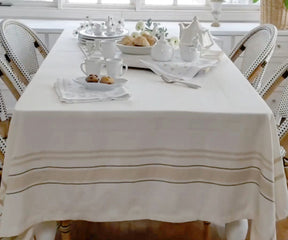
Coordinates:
<point>134,50</point>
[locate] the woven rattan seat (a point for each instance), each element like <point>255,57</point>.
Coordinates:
<point>21,44</point>
<point>256,47</point>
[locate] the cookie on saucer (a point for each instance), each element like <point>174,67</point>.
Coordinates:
<point>92,78</point>
<point>107,80</point>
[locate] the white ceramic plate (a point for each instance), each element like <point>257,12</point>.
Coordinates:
<point>101,86</point>
<point>134,50</point>
<point>86,35</point>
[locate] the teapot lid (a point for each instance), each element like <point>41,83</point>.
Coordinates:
<point>196,24</point>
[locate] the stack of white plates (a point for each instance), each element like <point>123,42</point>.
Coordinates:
<point>85,35</point>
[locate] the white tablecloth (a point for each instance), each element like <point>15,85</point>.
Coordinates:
<point>168,153</point>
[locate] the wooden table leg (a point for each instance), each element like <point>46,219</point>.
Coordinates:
<point>65,229</point>
<point>206,235</point>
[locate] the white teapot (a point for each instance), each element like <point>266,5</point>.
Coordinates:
<point>194,29</point>
<point>162,51</point>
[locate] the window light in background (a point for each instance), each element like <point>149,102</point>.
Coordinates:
<point>118,1</point>
<point>97,1</point>
<point>189,2</point>
<point>147,2</point>
<point>161,2</point>
<point>238,1</point>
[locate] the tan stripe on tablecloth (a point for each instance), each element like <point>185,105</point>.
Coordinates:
<point>173,175</point>
<point>279,177</point>
<point>142,181</point>
<point>144,153</point>
<point>138,165</point>
<point>277,160</point>
<point>170,151</point>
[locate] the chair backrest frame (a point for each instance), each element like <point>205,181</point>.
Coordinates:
<point>256,70</point>
<point>12,57</point>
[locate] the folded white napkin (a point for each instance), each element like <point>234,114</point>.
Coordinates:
<point>70,91</point>
<point>179,70</point>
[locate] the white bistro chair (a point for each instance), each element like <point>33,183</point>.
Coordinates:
<point>16,88</point>
<point>238,230</point>
<point>272,84</point>
<point>281,111</point>
<point>4,125</point>
<point>256,49</point>
<point>282,117</point>
<point>21,44</point>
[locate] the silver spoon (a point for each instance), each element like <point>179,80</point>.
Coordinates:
<point>188,84</point>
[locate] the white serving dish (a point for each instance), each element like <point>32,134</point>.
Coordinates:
<point>134,50</point>
<point>118,82</point>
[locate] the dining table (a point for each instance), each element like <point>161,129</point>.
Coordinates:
<point>165,152</point>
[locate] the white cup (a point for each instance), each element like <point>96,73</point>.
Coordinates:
<point>115,67</point>
<point>108,48</point>
<point>189,53</point>
<point>92,66</point>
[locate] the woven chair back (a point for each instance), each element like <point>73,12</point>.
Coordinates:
<point>24,49</point>
<point>256,47</point>
<point>274,81</point>
<point>16,88</point>
<point>4,126</point>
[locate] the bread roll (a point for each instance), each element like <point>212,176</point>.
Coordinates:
<point>145,34</point>
<point>152,40</point>
<point>141,41</point>
<point>127,40</point>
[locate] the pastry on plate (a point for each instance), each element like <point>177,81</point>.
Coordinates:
<point>92,78</point>
<point>107,80</point>
<point>141,42</point>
